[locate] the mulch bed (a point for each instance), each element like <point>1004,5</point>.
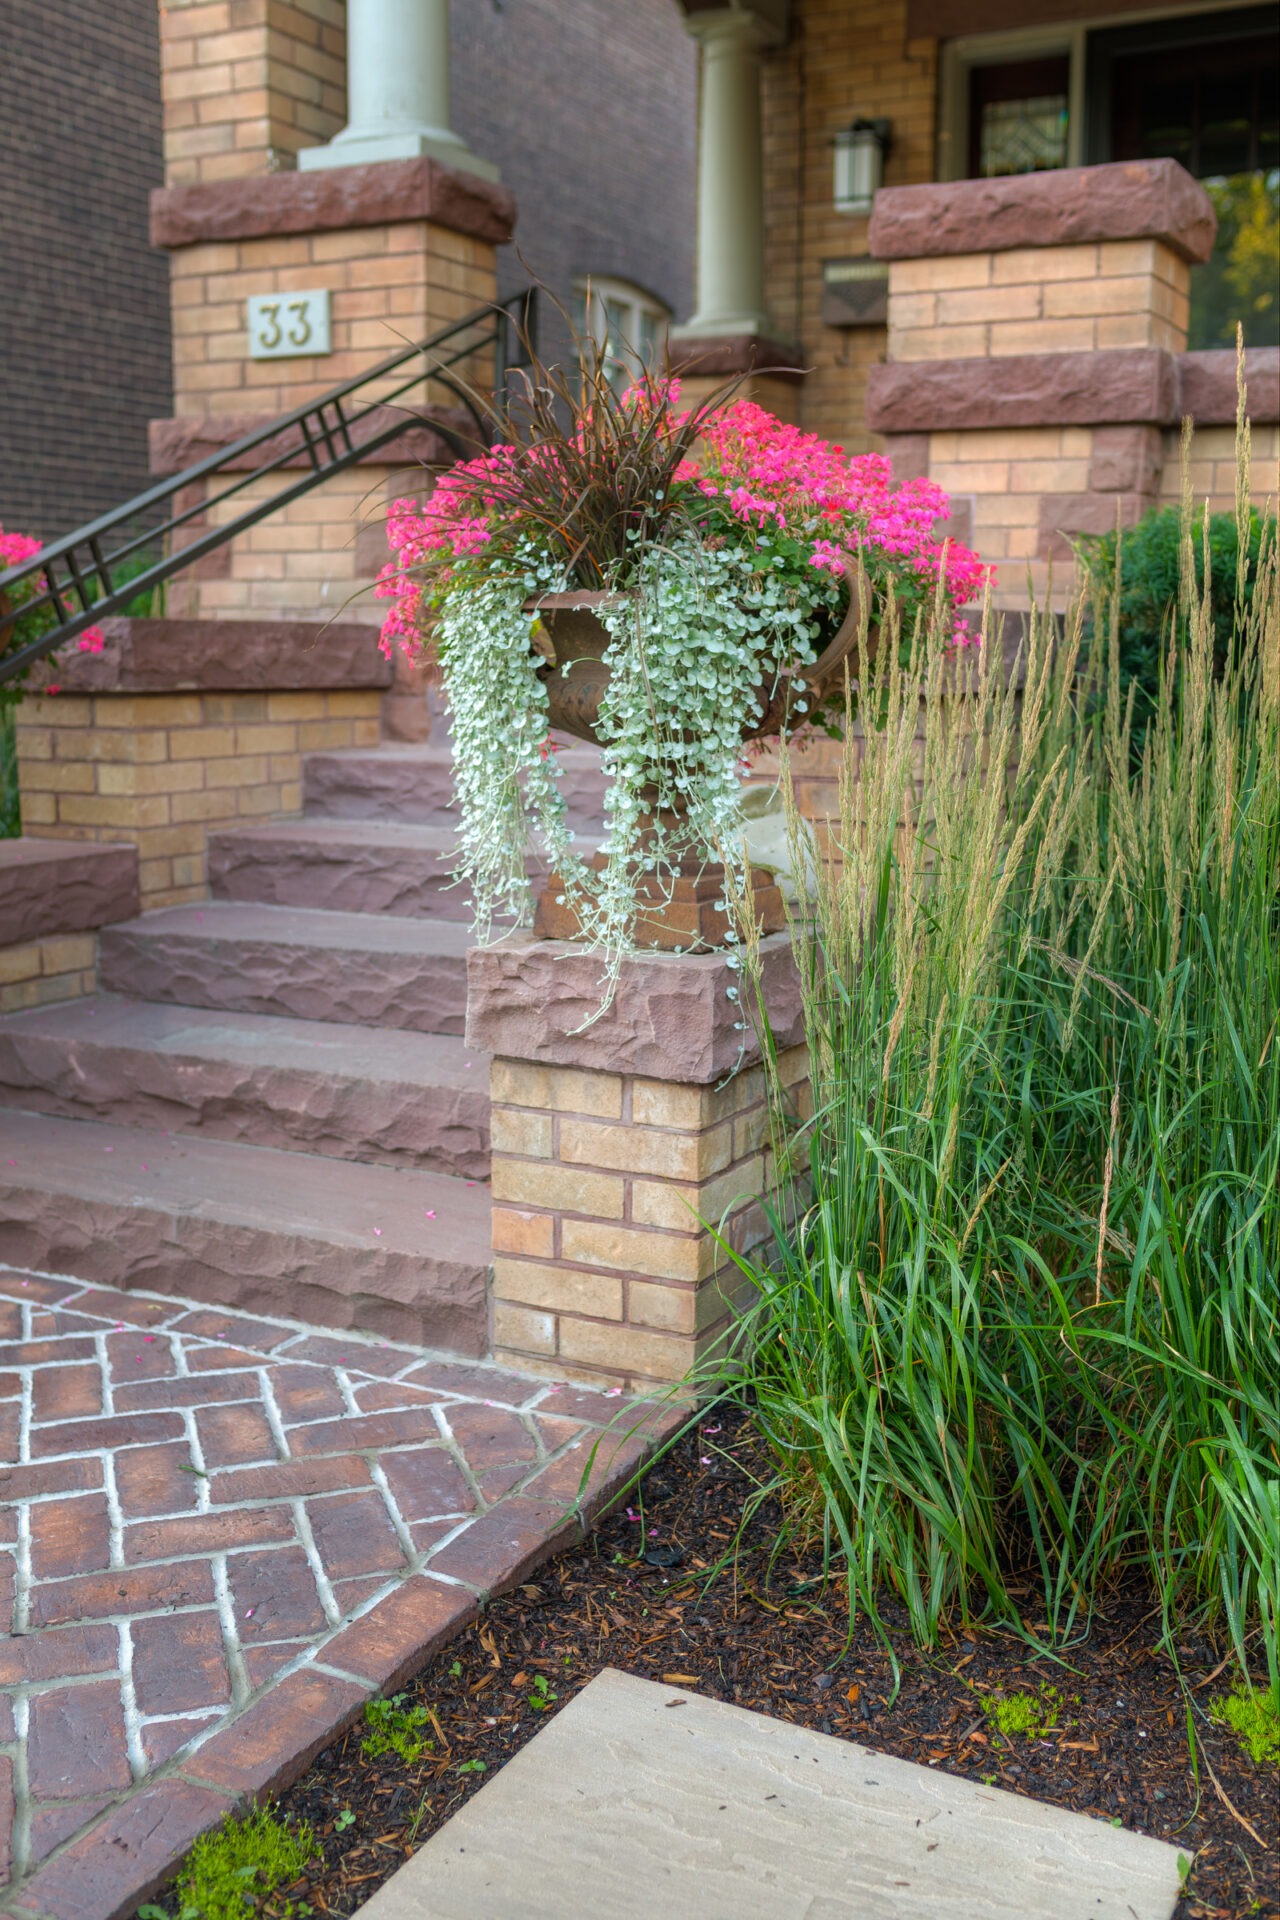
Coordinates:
<point>773,1638</point>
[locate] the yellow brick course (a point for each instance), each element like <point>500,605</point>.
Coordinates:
<point>611,1236</point>
<point>41,971</point>
<point>160,769</point>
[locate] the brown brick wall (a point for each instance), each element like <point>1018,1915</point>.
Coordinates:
<point>589,107</point>
<point>84,332</point>
<point>249,82</point>
<point>841,61</point>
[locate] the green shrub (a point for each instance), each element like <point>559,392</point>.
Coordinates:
<point>1151,569</point>
<point>1019,1326</point>
<point>10,809</point>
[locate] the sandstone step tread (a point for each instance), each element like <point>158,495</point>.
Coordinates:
<point>403,1254</point>
<point>359,1093</point>
<point>364,969</point>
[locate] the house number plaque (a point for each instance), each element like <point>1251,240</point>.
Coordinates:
<point>284,325</point>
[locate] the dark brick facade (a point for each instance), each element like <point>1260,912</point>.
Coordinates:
<point>84,317</point>
<point>588,107</point>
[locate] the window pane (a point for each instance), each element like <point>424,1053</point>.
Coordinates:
<point>1018,116</point>
<point>1239,282</point>
<point>1023,136</point>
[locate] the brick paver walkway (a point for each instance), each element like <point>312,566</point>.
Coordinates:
<point>220,1535</point>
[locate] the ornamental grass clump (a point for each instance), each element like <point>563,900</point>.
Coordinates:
<point>1018,1329</point>
<point>722,544</point>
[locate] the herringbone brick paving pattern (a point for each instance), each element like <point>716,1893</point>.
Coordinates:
<point>199,1507</point>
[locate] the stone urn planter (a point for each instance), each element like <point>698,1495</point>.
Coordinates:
<point>679,913</point>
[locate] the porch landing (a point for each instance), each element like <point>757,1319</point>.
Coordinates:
<point>641,1799</point>
<point>221,1535</point>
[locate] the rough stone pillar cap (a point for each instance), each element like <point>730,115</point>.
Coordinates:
<point>1070,207</point>
<point>671,1018</point>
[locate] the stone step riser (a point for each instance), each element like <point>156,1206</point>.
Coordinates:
<point>430,1128</point>
<point>419,787</point>
<point>373,787</point>
<point>357,879</point>
<point>303,978</point>
<point>398,1254</point>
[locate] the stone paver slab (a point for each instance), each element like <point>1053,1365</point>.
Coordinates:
<point>640,1799</point>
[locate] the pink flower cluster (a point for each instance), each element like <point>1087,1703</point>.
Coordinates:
<point>17,547</point>
<point>750,469</point>
<point>15,550</point>
<point>448,526</point>
<point>767,472</point>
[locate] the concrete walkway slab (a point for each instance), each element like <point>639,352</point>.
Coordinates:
<point>219,1535</point>
<point>647,1800</point>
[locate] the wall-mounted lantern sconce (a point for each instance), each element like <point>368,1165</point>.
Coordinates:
<point>860,152</point>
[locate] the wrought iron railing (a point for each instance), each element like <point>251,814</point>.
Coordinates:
<point>95,571</point>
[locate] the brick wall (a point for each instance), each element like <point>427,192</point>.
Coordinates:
<point>1117,293</point>
<point>161,769</point>
<point>840,61</point>
<point>84,336</point>
<point>604,1187</point>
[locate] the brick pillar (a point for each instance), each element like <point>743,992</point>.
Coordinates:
<point>619,1145</point>
<point>248,83</point>
<point>1036,330</point>
<point>401,248</point>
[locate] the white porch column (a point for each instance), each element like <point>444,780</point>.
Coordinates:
<point>397,89</point>
<point>730,239</point>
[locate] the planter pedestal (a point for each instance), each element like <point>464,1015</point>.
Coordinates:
<point>619,1146</point>
<point>678,913</point>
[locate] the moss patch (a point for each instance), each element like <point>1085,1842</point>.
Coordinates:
<point>393,1728</point>
<point>229,1871</point>
<point>1255,1717</point>
<point>1025,1715</point>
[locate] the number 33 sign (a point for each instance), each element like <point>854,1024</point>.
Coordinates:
<point>284,325</point>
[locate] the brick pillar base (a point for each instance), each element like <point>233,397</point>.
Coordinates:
<point>618,1146</point>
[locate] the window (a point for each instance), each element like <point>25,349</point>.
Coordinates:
<point>1201,88</point>
<point>1011,103</point>
<point>1205,90</point>
<point>1018,116</point>
<point>628,323</point>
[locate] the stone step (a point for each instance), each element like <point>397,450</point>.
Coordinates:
<point>416,783</point>
<point>341,866</point>
<point>53,887</point>
<point>404,1255</point>
<point>396,1099</point>
<point>359,969</point>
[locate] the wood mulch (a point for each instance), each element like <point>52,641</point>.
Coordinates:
<point>774,1638</point>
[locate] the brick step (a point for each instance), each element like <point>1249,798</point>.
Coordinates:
<point>397,1099</point>
<point>359,969</point>
<point>416,783</point>
<point>404,1255</point>
<point>341,866</point>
